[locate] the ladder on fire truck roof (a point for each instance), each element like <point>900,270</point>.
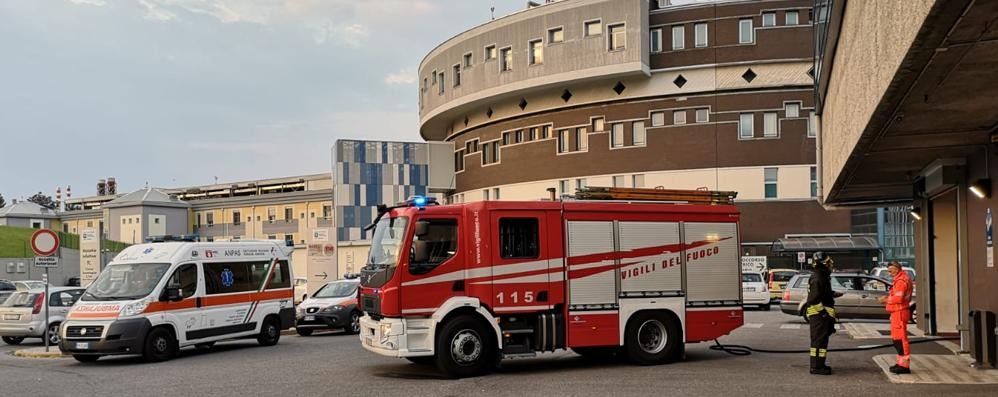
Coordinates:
<point>704,197</point>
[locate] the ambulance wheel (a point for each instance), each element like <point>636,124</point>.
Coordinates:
<point>85,358</point>
<point>304,331</point>
<point>653,338</point>
<point>270,332</point>
<point>160,345</point>
<point>13,340</point>
<point>466,348</point>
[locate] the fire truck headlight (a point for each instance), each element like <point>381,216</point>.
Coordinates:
<point>386,329</point>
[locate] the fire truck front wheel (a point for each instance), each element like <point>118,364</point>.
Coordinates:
<point>465,348</point>
<point>653,338</point>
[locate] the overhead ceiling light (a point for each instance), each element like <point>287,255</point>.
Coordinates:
<point>916,213</point>
<point>981,188</point>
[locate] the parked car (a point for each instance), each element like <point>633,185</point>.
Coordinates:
<point>301,289</point>
<point>331,307</point>
<point>860,295</point>
<point>755,291</point>
<point>778,279</point>
<point>882,272</point>
<point>28,285</point>
<point>22,315</point>
<point>7,287</point>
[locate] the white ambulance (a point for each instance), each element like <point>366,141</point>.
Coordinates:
<point>156,298</point>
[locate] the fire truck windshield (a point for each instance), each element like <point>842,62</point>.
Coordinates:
<point>387,242</point>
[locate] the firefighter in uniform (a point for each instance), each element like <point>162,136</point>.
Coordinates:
<point>820,311</point>
<point>898,305</point>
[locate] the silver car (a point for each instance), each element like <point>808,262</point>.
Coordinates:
<point>22,314</point>
<point>860,295</point>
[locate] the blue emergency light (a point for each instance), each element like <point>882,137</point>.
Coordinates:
<point>421,201</point>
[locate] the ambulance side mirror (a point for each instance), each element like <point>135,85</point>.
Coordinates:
<point>172,294</point>
<point>422,227</point>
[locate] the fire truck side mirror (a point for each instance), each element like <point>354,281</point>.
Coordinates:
<point>420,252</point>
<point>422,227</point>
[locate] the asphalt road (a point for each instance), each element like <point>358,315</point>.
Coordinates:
<point>336,364</point>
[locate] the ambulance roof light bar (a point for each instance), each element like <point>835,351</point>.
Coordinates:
<point>705,197</point>
<point>169,238</point>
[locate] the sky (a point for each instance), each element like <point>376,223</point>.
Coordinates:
<point>170,93</point>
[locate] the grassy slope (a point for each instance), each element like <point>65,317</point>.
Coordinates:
<point>15,242</point>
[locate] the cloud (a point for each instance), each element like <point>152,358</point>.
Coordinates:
<point>98,3</point>
<point>402,77</point>
<point>156,13</point>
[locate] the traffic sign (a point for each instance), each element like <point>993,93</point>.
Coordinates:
<point>46,261</point>
<point>801,257</point>
<point>44,242</point>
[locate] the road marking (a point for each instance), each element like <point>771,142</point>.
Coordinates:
<point>790,326</point>
<point>753,325</point>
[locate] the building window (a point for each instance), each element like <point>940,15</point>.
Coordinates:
<point>592,28</point>
<point>507,138</point>
<point>657,119</point>
<point>563,186</point>
<point>655,39</point>
<point>471,146</point>
<point>272,237</point>
<point>434,75</point>
<point>467,60</point>
<point>519,136</point>
<point>617,135</point>
<point>505,59</point>
<point>678,37</point>
<point>459,160</point>
<point>580,183</point>
<point>617,39</point>
<point>289,239</point>
<point>495,193</point>
<point>457,75</point>
<point>618,181</point>
<point>638,130</point>
<point>562,141</point>
<point>533,133</point>
<point>769,129</point>
<point>545,131</point>
<point>703,115</point>
<point>812,126</point>
<point>638,180</point>
<point>814,181</point>
<point>440,89</point>
<point>768,19</point>
<point>746,127</point>
<point>490,153</point>
<point>289,213</point>
<point>581,139</point>
<point>679,117</point>
<point>556,35</point>
<point>123,220</point>
<point>700,34</point>
<point>599,124</point>
<point>791,18</point>
<point>745,33</point>
<point>771,179</point>
<point>792,110</point>
<point>237,218</point>
<point>210,218</point>
<point>327,211</point>
<point>485,194</point>
<point>490,52</point>
<point>536,52</point>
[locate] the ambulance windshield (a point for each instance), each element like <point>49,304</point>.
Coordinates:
<point>126,282</point>
<point>387,241</point>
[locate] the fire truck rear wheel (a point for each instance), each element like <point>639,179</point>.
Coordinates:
<point>466,348</point>
<point>653,338</point>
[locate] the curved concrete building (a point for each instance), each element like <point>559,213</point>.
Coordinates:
<point>634,93</point>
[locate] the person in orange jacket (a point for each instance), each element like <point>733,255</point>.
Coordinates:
<point>899,306</point>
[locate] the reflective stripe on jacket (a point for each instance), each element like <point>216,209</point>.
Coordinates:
<point>900,295</point>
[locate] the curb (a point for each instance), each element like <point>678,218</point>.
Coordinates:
<point>40,353</point>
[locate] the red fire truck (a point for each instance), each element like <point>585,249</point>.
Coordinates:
<point>635,272</point>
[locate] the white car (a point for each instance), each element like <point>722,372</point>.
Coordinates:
<point>882,273</point>
<point>301,289</point>
<point>754,290</point>
<point>333,306</point>
<point>22,315</point>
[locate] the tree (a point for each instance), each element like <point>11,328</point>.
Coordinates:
<point>2,202</point>
<point>44,201</point>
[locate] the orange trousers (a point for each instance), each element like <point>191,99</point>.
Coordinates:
<point>899,334</point>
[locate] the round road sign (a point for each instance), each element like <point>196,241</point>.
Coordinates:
<point>44,242</point>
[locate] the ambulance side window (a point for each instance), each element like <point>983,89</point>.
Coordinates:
<point>281,277</point>
<point>228,277</point>
<point>519,238</point>
<point>187,278</point>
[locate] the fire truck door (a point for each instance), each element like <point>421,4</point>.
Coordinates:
<point>522,267</point>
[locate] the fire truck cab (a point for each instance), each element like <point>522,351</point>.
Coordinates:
<point>466,285</point>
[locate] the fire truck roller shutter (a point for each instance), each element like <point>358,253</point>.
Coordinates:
<point>591,264</point>
<point>650,258</point>
<point>712,263</point>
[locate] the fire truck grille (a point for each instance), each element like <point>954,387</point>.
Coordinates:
<point>371,305</point>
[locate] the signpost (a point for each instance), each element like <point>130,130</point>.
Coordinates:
<point>801,257</point>
<point>44,243</point>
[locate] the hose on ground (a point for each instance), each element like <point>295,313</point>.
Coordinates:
<point>743,350</point>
